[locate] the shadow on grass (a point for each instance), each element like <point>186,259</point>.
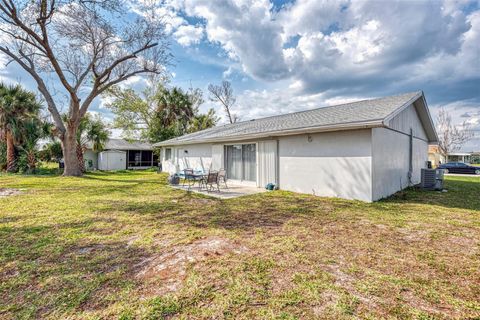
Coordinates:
<point>274,209</point>
<point>54,275</point>
<point>157,179</point>
<point>461,192</point>
<point>247,213</point>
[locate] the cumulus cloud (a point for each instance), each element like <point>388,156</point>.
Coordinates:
<point>383,48</point>
<point>247,32</point>
<point>345,46</point>
<point>305,16</point>
<point>187,35</point>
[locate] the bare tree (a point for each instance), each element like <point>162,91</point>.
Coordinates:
<point>224,94</point>
<point>451,137</point>
<point>85,45</point>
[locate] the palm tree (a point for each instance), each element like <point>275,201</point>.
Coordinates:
<point>174,108</point>
<point>32,131</point>
<point>91,130</point>
<point>203,121</point>
<point>16,106</point>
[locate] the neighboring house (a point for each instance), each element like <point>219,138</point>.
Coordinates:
<point>464,157</point>
<point>435,156</point>
<point>475,158</point>
<point>120,154</point>
<point>364,150</point>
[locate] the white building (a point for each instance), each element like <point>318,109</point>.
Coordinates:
<point>464,157</point>
<point>366,150</point>
<point>120,154</point>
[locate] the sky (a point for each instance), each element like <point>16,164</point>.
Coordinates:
<point>286,56</point>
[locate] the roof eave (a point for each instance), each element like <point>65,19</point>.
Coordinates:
<point>264,135</point>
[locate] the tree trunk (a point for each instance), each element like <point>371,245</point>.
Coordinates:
<point>69,148</point>
<point>81,162</point>
<point>32,161</point>
<point>10,152</point>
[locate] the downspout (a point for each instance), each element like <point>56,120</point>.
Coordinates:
<point>277,166</point>
<point>410,158</point>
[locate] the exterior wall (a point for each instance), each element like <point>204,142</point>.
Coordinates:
<point>197,157</point>
<point>90,156</point>
<point>267,158</point>
<point>331,164</point>
<point>112,160</point>
<point>406,120</point>
<point>391,161</point>
<point>168,165</point>
<point>218,153</point>
<point>436,159</point>
<point>391,153</point>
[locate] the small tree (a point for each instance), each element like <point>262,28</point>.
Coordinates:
<point>51,151</point>
<point>92,130</point>
<point>32,131</point>
<point>451,137</point>
<point>224,94</point>
<point>85,46</point>
<point>17,107</point>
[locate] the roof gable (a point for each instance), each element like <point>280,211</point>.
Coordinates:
<point>420,104</point>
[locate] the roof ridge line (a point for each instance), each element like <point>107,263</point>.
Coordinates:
<point>324,107</point>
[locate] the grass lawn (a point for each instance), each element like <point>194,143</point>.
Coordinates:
<point>126,246</point>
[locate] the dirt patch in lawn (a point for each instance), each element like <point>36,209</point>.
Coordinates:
<point>458,244</point>
<point>329,299</point>
<point>411,236</point>
<point>171,266</point>
<point>414,301</point>
<point>347,282</point>
<point>6,192</point>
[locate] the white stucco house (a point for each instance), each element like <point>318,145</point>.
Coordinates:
<point>365,150</point>
<point>120,154</point>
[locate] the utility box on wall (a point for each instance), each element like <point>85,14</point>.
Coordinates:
<point>112,160</point>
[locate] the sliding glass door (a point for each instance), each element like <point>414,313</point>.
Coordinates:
<point>249,158</point>
<point>234,162</point>
<point>241,162</point>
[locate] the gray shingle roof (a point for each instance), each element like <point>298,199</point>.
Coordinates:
<point>367,112</point>
<point>121,144</point>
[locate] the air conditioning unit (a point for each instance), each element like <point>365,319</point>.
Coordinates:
<point>432,179</point>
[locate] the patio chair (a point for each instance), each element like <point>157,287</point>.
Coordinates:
<point>222,177</point>
<point>211,181</point>
<point>187,176</point>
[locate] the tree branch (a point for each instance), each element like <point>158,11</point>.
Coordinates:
<point>30,68</point>
<point>106,73</point>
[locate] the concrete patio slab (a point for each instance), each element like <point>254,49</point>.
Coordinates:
<point>233,191</point>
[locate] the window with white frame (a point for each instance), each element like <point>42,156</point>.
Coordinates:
<point>168,153</point>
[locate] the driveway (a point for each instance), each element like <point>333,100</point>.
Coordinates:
<point>462,175</point>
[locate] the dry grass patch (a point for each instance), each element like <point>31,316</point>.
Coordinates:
<point>6,192</point>
<point>165,273</point>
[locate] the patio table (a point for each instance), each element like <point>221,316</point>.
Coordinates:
<point>194,178</point>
